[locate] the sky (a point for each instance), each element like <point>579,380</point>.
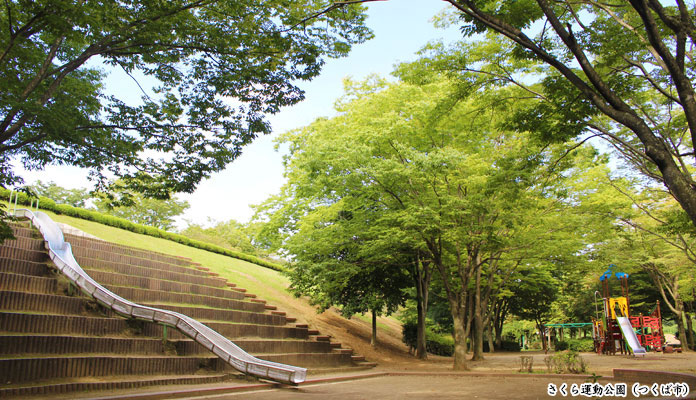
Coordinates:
<point>401,28</point>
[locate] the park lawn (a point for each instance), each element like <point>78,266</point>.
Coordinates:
<point>264,282</point>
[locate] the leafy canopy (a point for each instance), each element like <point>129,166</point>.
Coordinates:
<point>218,66</point>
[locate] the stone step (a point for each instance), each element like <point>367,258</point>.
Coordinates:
<point>27,283</point>
<point>32,369</point>
<point>150,283</point>
<point>25,230</point>
<point>343,351</point>
<point>42,303</point>
<point>26,243</point>
<point>16,253</point>
<point>357,358</point>
<point>21,267</point>
<point>139,295</point>
<point>309,360</point>
<point>117,248</point>
<point>27,345</point>
<point>126,382</point>
<point>64,305</point>
<point>312,332</point>
<point>88,253</point>
<point>136,270</point>
<point>257,331</point>
<point>219,315</point>
<point>322,338</point>
<point>52,324</point>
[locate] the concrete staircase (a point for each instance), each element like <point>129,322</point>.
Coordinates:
<point>53,340</point>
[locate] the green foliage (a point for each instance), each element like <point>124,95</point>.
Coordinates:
<point>230,234</point>
<point>5,229</point>
<point>133,206</point>
<point>424,167</point>
<point>583,345</point>
<point>73,197</point>
<point>48,204</point>
<point>435,343</point>
<point>216,67</point>
<point>566,362</point>
<point>515,328</point>
<point>620,73</point>
<point>535,291</point>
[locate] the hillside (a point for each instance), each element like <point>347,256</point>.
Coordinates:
<point>269,285</point>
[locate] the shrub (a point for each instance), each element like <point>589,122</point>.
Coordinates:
<point>439,344</point>
<point>577,345</point>
<point>565,362</point>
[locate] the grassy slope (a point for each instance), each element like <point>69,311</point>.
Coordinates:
<point>267,284</point>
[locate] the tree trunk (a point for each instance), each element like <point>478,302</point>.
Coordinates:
<point>422,275</point>
<point>491,346</point>
<point>477,336</point>
<point>478,314</point>
<point>460,336</point>
<point>542,333</point>
<point>683,338</point>
<point>500,315</point>
<point>690,331</point>
<point>373,341</point>
<point>421,351</point>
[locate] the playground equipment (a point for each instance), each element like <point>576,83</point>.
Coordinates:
<point>618,331</point>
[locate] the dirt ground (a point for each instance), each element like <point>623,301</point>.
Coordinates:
<point>415,387</point>
<point>392,355</point>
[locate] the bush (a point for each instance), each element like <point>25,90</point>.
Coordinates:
<point>577,345</point>
<point>109,220</point>
<point>565,362</point>
<point>439,344</point>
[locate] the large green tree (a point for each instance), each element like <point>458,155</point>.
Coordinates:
<point>441,177</point>
<point>621,70</point>
<point>74,197</point>
<point>216,68</point>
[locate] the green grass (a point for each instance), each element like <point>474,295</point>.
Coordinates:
<point>266,283</point>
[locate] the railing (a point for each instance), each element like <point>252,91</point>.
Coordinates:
<point>60,252</point>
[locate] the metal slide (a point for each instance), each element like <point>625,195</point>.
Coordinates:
<point>630,335</point>
<point>61,255</point>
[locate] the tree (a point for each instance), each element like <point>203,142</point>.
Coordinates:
<point>631,62</point>
<point>440,177</point>
<point>73,197</point>
<point>335,264</point>
<point>535,291</point>
<point>230,234</point>
<point>654,235</point>
<point>217,66</point>
<point>135,207</point>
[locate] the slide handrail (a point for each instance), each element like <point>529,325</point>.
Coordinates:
<point>61,254</point>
